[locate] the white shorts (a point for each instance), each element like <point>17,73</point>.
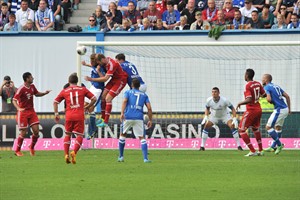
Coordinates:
<point>137,127</point>
<point>277,117</point>
<point>96,92</point>
<point>143,87</point>
<point>216,120</point>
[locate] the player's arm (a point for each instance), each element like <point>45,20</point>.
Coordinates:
<point>269,98</point>
<point>40,94</point>
<point>246,101</point>
<point>124,103</point>
<point>1,89</point>
<point>288,101</point>
<point>15,102</point>
<point>206,113</point>
<point>92,102</point>
<point>56,114</point>
<point>100,79</point>
<point>149,123</point>
<point>233,110</point>
<point>86,64</point>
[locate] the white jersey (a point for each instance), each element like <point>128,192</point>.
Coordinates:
<point>218,109</point>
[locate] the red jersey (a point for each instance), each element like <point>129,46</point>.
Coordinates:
<point>24,96</point>
<point>74,96</point>
<point>114,69</point>
<point>253,89</point>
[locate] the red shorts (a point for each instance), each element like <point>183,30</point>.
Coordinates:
<point>27,117</point>
<point>76,127</point>
<point>114,87</point>
<point>251,118</point>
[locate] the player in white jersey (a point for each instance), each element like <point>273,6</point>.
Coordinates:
<point>218,106</point>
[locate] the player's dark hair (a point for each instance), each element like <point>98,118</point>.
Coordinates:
<point>136,83</point>
<point>100,56</point>
<point>250,73</point>
<point>216,88</point>
<point>120,56</point>
<point>26,75</point>
<point>73,78</point>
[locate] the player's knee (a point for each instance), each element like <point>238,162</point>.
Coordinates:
<point>143,141</point>
<point>122,136</point>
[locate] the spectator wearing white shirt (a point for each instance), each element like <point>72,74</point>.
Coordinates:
<point>24,14</point>
<point>247,9</point>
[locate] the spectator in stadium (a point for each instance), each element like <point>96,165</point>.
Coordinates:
<point>170,17</point>
<point>132,117</point>
<point>7,92</point>
<point>275,122</point>
<point>123,5</point>
<point>3,15</point>
<point>100,17</point>
<point>134,15</point>
<point>146,25</point>
<point>12,25</point>
<point>44,19</point>
<point>14,5</point>
<point>221,19</point>
<point>117,81</point>
<point>280,23</point>
<point>198,24</point>
<point>247,10</point>
<point>29,26</point>
<point>55,6</point>
<point>110,23</point>
<point>286,15</point>
<point>161,6</point>
<point>24,14</point>
<point>152,13</point>
<point>26,116</point>
<point>273,6</point>
<point>288,3</point>
<point>190,11</point>
<point>238,20</point>
<point>295,24</point>
<point>210,14</point>
<point>74,114</point>
<point>267,17</point>
<point>104,4</point>
<point>255,22</point>
<point>33,4</point>
<point>125,26</point>
<point>183,24</point>
<point>217,110</point>
<point>92,25</point>
<point>159,25</point>
<point>66,10</point>
<point>252,115</point>
<point>116,14</point>
<point>228,11</point>
<point>259,4</point>
<point>238,3</point>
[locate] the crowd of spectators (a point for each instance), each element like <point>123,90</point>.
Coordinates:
<point>148,15</point>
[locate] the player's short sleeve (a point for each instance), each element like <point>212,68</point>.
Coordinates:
<point>267,89</point>
<point>59,97</point>
<point>228,103</point>
<point>35,91</point>
<point>147,100</point>
<point>17,95</point>
<point>88,94</point>
<point>126,94</point>
<point>262,91</point>
<point>248,91</point>
<point>207,104</point>
<point>111,68</point>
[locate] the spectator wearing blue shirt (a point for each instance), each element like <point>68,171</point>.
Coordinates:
<point>132,117</point>
<point>276,95</point>
<point>92,25</point>
<point>123,5</point>
<point>170,17</point>
<point>295,24</point>
<point>12,25</point>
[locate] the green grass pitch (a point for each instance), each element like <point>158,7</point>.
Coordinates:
<point>177,174</point>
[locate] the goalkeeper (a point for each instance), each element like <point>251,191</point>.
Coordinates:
<point>218,106</point>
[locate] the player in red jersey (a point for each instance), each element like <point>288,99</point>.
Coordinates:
<point>26,115</point>
<point>74,97</point>
<point>112,88</point>
<point>252,115</point>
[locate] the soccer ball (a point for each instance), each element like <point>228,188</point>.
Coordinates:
<point>81,50</point>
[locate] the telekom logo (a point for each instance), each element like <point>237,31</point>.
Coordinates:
<point>170,143</point>
<point>297,143</point>
<point>222,143</point>
<point>195,143</point>
<point>47,143</point>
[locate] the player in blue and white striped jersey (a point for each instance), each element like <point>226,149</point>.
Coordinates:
<point>132,117</point>
<point>131,70</point>
<point>276,95</point>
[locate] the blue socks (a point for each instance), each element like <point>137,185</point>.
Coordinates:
<point>275,137</point>
<point>279,136</point>
<point>92,124</point>
<point>121,146</point>
<point>144,147</point>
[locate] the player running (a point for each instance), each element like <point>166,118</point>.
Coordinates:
<point>74,97</point>
<point>26,115</point>
<point>218,106</point>
<point>252,115</point>
<point>281,110</point>
<point>132,117</point>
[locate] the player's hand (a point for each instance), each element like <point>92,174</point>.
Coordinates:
<point>235,122</point>
<point>149,124</point>
<point>122,117</point>
<point>47,92</point>
<point>57,118</point>
<point>87,78</point>
<point>83,63</point>
<point>21,109</point>
<point>204,120</point>
<point>237,107</point>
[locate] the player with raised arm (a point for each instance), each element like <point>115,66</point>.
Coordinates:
<point>252,115</point>
<point>26,115</point>
<point>218,106</point>
<point>74,97</point>
<point>131,71</point>
<point>96,88</point>
<point>117,82</point>
<point>132,117</point>
<point>276,95</point>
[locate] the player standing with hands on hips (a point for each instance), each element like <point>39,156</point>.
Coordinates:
<point>26,115</point>
<point>281,110</point>
<point>132,117</point>
<point>252,115</point>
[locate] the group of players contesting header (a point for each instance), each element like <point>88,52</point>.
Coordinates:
<point>118,72</point>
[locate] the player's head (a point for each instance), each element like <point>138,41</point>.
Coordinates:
<point>135,83</point>
<point>27,77</point>
<point>93,59</point>
<point>249,75</point>
<point>73,79</point>
<point>101,59</point>
<point>215,92</point>
<point>267,78</point>
<point>120,57</point>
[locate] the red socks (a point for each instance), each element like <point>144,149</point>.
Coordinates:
<point>257,135</point>
<point>78,143</point>
<point>67,143</point>
<point>246,139</point>
<point>19,144</point>
<point>33,141</point>
<point>103,107</point>
<point>108,109</point>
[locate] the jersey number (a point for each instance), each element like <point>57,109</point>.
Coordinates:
<point>256,94</point>
<point>278,91</point>
<point>74,100</point>
<point>133,71</point>
<point>137,99</point>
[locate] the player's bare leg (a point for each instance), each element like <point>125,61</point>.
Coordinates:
<point>20,142</point>
<point>207,126</point>
<point>34,138</point>
<point>235,134</point>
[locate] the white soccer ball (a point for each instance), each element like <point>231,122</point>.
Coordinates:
<point>81,50</point>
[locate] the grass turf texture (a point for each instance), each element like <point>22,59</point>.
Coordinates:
<point>172,175</point>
